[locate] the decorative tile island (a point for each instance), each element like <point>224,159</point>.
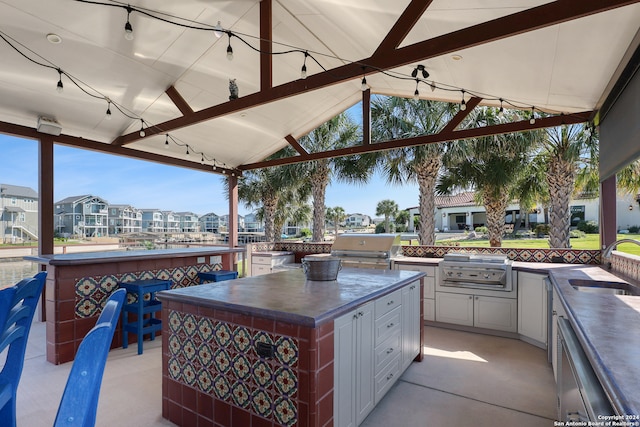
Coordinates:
<point>261,351</point>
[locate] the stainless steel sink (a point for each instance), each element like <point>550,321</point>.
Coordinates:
<point>604,287</point>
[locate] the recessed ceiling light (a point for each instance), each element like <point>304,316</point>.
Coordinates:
<point>456,57</point>
<point>54,38</point>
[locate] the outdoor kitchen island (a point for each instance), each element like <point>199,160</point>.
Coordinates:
<point>263,350</point>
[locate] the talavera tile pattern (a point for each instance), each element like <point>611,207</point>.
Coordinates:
<point>567,256</point>
<point>220,359</point>
<point>628,266</point>
<point>92,292</point>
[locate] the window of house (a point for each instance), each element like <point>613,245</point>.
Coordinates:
<point>460,219</point>
<point>14,201</point>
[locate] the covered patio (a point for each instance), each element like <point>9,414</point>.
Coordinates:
<point>218,86</point>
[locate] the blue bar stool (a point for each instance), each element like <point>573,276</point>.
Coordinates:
<point>217,276</point>
<point>142,325</point>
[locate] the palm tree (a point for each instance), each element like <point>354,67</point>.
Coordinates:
<point>271,189</point>
<point>388,208</point>
<point>568,152</point>
<point>402,218</point>
<point>339,132</point>
<point>394,118</point>
<point>336,215</point>
<point>492,165</point>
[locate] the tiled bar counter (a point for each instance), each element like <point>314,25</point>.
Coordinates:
<point>259,351</point>
<point>79,284</point>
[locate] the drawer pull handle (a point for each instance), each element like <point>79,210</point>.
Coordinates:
<point>390,302</point>
<point>390,325</point>
<point>390,351</point>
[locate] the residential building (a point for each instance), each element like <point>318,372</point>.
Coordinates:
<point>187,222</point>
<point>224,222</point>
<point>209,223</point>
<point>252,224</point>
<point>357,220</point>
<point>84,216</point>
<point>18,213</point>
<point>171,222</point>
<point>152,220</point>
<point>124,219</point>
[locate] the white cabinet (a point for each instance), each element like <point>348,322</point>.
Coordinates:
<point>429,285</point>
<point>477,310</point>
<point>353,392</point>
<point>369,351</point>
<point>268,262</point>
<point>410,323</point>
<point>532,308</point>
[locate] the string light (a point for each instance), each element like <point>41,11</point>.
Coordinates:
<point>463,104</point>
<point>229,48</point>
<point>218,30</point>
<point>303,71</point>
<point>142,132</point>
<point>128,29</point>
<point>108,113</point>
<point>501,111</point>
<point>363,85</point>
<point>166,142</point>
<point>60,86</point>
<point>433,86</point>
<point>416,94</point>
<point>187,150</point>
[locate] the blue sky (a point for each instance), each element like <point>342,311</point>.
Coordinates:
<point>120,180</point>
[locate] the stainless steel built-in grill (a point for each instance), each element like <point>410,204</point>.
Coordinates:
<point>366,250</point>
<point>476,271</point>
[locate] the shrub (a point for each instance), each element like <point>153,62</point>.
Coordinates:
<point>483,230</point>
<point>380,228</point>
<point>634,229</point>
<point>589,227</point>
<point>305,232</point>
<point>576,234</point>
<point>542,229</point>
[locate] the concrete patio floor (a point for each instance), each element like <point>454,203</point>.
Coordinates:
<point>465,380</point>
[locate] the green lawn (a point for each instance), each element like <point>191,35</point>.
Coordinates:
<point>590,241</point>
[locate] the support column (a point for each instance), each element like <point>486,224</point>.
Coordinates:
<point>233,220</point>
<point>45,198</point>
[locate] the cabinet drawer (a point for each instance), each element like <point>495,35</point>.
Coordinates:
<point>258,269</point>
<point>261,260</point>
<point>386,351</point>
<point>386,378</point>
<point>388,325</point>
<point>387,303</point>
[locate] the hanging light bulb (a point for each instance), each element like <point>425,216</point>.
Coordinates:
<point>166,142</point>
<point>416,94</point>
<point>187,150</point>
<point>303,71</point>
<point>60,86</point>
<point>532,120</point>
<point>142,132</point>
<point>128,29</point>
<point>501,111</point>
<point>364,86</point>
<point>433,86</point>
<point>463,104</point>
<point>202,158</point>
<point>214,164</point>
<point>108,113</point>
<point>229,49</point>
<point>218,30</point>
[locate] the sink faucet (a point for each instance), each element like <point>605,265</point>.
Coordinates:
<point>606,253</point>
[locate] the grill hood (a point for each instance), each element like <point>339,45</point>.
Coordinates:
<point>367,245</point>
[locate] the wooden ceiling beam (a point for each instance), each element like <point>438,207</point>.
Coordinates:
<point>460,116</point>
<point>520,126</point>
<point>403,26</point>
<point>528,20</point>
<point>296,145</point>
<point>179,101</point>
<point>266,44</point>
<point>101,147</point>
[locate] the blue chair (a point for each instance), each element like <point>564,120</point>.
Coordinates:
<point>17,307</point>
<point>79,402</point>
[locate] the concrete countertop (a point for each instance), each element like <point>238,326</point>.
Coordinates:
<point>118,256</point>
<point>608,328</point>
<point>287,296</point>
